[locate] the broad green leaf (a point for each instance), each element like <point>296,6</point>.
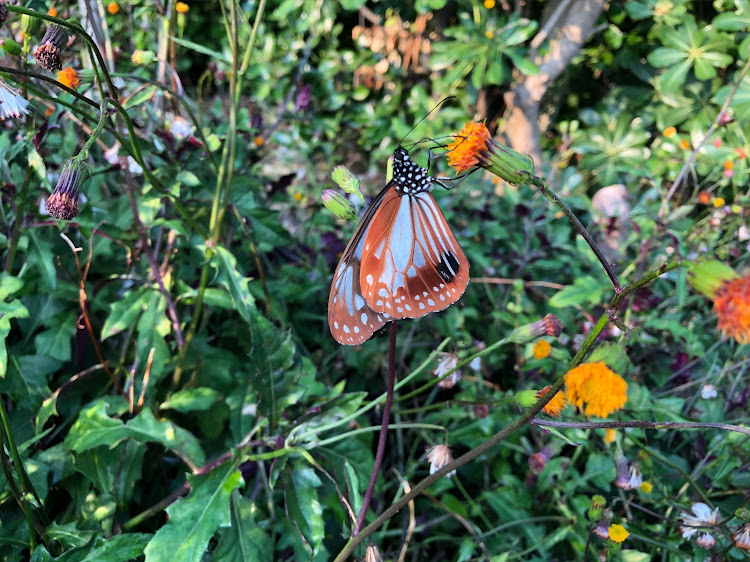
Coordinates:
<point>13,309</point>
<point>46,411</point>
<point>57,340</point>
<point>243,540</point>
<point>26,379</point>
<point>193,520</point>
<point>583,291</point>
<point>302,504</point>
<point>197,47</point>
<point>94,427</point>
<point>143,95</point>
<point>191,399</point>
<point>123,312</point>
<point>42,256</point>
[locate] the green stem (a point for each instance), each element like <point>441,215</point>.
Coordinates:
<point>18,222</point>
<point>16,493</point>
<point>342,436</point>
<point>52,81</point>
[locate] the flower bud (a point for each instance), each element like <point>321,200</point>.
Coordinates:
<point>63,203</point>
<point>347,181</point>
<point>538,461</point>
<point>622,474</point>
<point>372,554</point>
<point>339,205</point>
<point>506,163</point>
<point>597,505</point>
<point>526,398</point>
<point>10,46</point>
<point>141,57</point>
<point>49,54</point>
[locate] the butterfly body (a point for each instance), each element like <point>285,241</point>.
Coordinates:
<point>402,261</point>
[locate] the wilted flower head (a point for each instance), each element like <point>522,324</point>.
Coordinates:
<point>703,517</point>
<point>49,53</point>
<point>595,389</point>
<point>550,325</point>
<point>372,554</point>
<point>622,475</point>
<point>538,461</point>
<point>474,146</point>
<point>438,456</point>
<point>12,105</point>
<point>447,363</point>
<point>602,527</point>
<point>63,203</point>
<point>636,478</point>
<point>742,537</point>
<point>180,128</point>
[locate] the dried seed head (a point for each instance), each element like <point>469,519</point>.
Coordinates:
<point>49,53</point>
<point>63,203</point>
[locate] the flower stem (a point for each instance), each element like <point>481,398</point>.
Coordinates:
<point>383,428</point>
<point>538,182</point>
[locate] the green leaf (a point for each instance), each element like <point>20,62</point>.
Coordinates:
<point>197,47</point>
<point>124,311</point>
<point>57,340</point>
<point>583,291</point>
<point>94,427</point>
<point>26,380</point>
<point>13,309</point>
<point>191,399</point>
<point>233,281</point>
<point>42,256</point>
<point>302,505</point>
<point>143,95</point>
<point>195,519</point>
<point>243,540</point>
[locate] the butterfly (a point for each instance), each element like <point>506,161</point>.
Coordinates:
<point>402,261</point>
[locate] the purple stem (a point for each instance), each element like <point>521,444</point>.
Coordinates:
<point>383,429</point>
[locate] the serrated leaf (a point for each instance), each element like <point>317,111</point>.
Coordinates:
<point>123,312</point>
<point>234,282</point>
<point>243,540</point>
<point>302,505</point>
<point>195,519</point>
<point>94,427</point>
<point>42,256</point>
<point>26,380</point>
<point>57,340</point>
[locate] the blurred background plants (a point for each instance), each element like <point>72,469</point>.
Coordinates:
<point>171,341</point>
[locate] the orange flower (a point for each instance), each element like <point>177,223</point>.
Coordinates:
<point>69,77</point>
<point>728,165</point>
<point>684,144</point>
<point>463,151</point>
<point>740,152</point>
<point>181,8</point>
<point>555,406</point>
<point>669,132</point>
<point>704,197</point>
<point>541,349</point>
<point>597,387</point>
<point>52,12</point>
<point>258,141</point>
<point>732,306</point>
<point>719,202</point>
<point>489,4</point>
<point>610,435</point>
<point>113,8</point>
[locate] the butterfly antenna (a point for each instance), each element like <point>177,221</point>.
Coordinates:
<point>441,102</point>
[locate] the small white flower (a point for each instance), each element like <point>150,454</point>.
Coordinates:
<point>703,517</point>
<point>476,364</point>
<point>11,104</point>
<point>438,457</point>
<point>133,167</point>
<point>447,363</point>
<point>742,537</point>
<point>708,392</point>
<point>111,155</point>
<point>636,479</point>
<point>180,128</point>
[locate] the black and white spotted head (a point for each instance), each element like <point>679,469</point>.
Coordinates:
<point>408,177</point>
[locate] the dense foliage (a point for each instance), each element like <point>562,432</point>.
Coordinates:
<point>170,388</point>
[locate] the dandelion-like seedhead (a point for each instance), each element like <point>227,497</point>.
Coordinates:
<point>49,53</point>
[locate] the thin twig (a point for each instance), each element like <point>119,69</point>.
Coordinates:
<point>643,424</point>
<point>383,428</point>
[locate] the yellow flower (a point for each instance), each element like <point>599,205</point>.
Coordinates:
<point>719,202</point>
<point>618,533</point>
<point>489,4</point>
<point>646,487</point>
<point>669,132</point>
<point>555,406</point>
<point>181,8</point>
<point>69,77</point>
<point>298,197</point>
<point>489,34</point>
<point>597,387</point>
<point>732,306</point>
<point>610,435</point>
<point>541,349</point>
<point>113,8</point>
<point>52,12</point>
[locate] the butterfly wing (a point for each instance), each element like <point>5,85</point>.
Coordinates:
<point>350,320</point>
<point>411,264</point>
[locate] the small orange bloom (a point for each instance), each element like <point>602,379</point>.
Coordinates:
<point>52,12</point>
<point>113,8</point>
<point>728,165</point>
<point>610,435</point>
<point>181,8</point>
<point>69,77</point>
<point>719,202</point>
<point>48,112</point>
<point>258,141</point>
<point>717,143</point>
<point>555,406</point>
<point>489,4</point>
<point>489,34</point>
<point>740,152</point>
<point>704,197</point>
<point>669,132</point>
<point>463,151</point>
<point>541,349</point>
<point>684,144</point>
<point>595,390</point>
<point>732,306</point>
